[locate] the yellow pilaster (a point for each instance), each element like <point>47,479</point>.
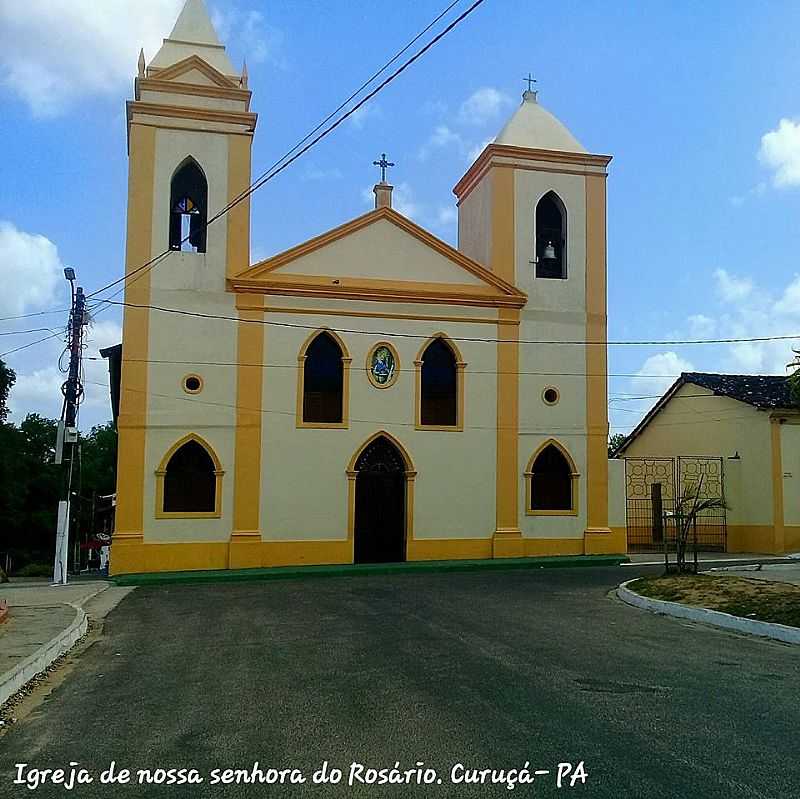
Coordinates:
<point>779,535</point>
<point>238,218</point>
<point>133,391</point>
<point>245,545</point>
<point>596,365</point>
<point>507,541</point>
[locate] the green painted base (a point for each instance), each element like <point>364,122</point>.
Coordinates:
<point>349,569</point>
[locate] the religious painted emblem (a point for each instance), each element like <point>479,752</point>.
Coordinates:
<point>382,365</point>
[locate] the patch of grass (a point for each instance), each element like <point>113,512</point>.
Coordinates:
<point>778,603</point>
<point>35,570</point>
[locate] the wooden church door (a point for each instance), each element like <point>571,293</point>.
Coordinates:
<point>380,512</point>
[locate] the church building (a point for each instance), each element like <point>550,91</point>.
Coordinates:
<point>372,394</point>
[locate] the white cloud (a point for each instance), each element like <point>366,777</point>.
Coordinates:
<point>248,31</point>
<point>483,106</point>
<point>660,371</point>
<point>53,52</point>
<point>447,215</point>
<point>360,117</point>
<point>780,152</point>
<point>32,271</point>
<point>731,288</point>
<point>478,149</point>
<point>443,137</point>
<point>789,303</point>
<point>38,386</point>
<point>701,326</point>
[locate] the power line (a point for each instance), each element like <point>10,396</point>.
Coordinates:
<point>33,313</point>
<point>24,332</point>
<point>472,339</point>
<point>30,344</point>
<point>274,171</point>
<point>573,431</point>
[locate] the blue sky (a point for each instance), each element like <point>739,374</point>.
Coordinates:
<point>698,104</point>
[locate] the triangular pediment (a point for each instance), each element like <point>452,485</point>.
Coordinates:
<point>381,255</point>
<point>193,70</point>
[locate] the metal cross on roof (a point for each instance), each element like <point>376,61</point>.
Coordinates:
<point>383,164</point>
<point>530,80</point>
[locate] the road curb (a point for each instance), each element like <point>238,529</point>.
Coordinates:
<point>764,629</point>
<point>23,672</point>
<point>34,664</point>
<point>349,569</point>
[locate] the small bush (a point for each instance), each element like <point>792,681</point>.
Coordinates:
<point>35,570</point>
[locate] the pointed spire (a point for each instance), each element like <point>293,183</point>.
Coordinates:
<point>141,63</point>
<point>194,25</point>
<point>194,34</point>
<point>243,80</point>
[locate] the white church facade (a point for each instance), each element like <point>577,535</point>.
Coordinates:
<point>372,394</point>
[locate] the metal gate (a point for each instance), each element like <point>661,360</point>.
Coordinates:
<point>648,524</point>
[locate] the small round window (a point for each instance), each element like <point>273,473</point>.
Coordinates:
<point>550,395</point>
<point>192,384</point>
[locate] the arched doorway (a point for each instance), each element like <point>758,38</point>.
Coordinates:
<point>380,504</point>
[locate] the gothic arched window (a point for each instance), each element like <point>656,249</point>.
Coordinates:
<point>551,479</point>
<point>189,481</point>
<point>188,208</point>
<point>439,386</point>
<point>323,385</point>
<point>551,237</point>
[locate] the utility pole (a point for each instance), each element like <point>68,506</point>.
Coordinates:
<point>67,426</point>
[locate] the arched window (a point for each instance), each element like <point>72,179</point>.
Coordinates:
<point>188,206</point>
<point>189,481</point>
<point>439,386</point>
<point>551,237</point>
<point>551,481</point>
<point>323,381</point>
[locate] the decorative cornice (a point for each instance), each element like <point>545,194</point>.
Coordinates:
<point>176,87</point>
<point>493,151</point>
<point>244,118</point>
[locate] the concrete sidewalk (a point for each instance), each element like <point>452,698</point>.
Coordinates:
<point>44,622</point>
<point>771,572</point>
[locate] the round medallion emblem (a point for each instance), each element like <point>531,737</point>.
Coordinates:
<point>382,365</point>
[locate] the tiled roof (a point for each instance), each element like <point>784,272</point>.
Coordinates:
<point>763,391</point>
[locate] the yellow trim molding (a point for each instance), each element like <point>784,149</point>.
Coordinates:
<point>596,358</point>
<point>777,483</point>
<point>247,443</point>
<point>574,483</point>
<point>161,473</point>
<point>460,369</point>
<point>368,365</point>
<point>131,425</point>
<point>301,376</point>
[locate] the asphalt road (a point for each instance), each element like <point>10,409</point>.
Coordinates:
<point>490,670</point>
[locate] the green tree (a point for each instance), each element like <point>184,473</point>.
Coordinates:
<point>794,378</point>
<point>616,440</point>
<point>7,379</point>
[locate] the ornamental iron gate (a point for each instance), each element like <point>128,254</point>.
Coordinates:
<point>653,488</point>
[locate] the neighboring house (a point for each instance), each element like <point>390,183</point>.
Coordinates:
<point>752,426</point>
<point>372,394</point>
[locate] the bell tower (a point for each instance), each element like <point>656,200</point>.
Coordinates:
<point>532,208</point>
<point>190,132</point>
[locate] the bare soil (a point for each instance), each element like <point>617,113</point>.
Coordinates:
<point>778,603</point>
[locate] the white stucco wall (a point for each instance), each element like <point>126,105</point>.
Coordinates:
<point>185,344</point>
<point>475,223</point>
<point>696,422</point>
<point>455,483</point>
<point>790,451</point>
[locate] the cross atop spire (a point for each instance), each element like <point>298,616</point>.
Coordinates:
<point>530,80</point>
<point>383,164</point>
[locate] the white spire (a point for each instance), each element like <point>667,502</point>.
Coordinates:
<point>531,125</point>
<point>194,34</point>
<point>194,25</point>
